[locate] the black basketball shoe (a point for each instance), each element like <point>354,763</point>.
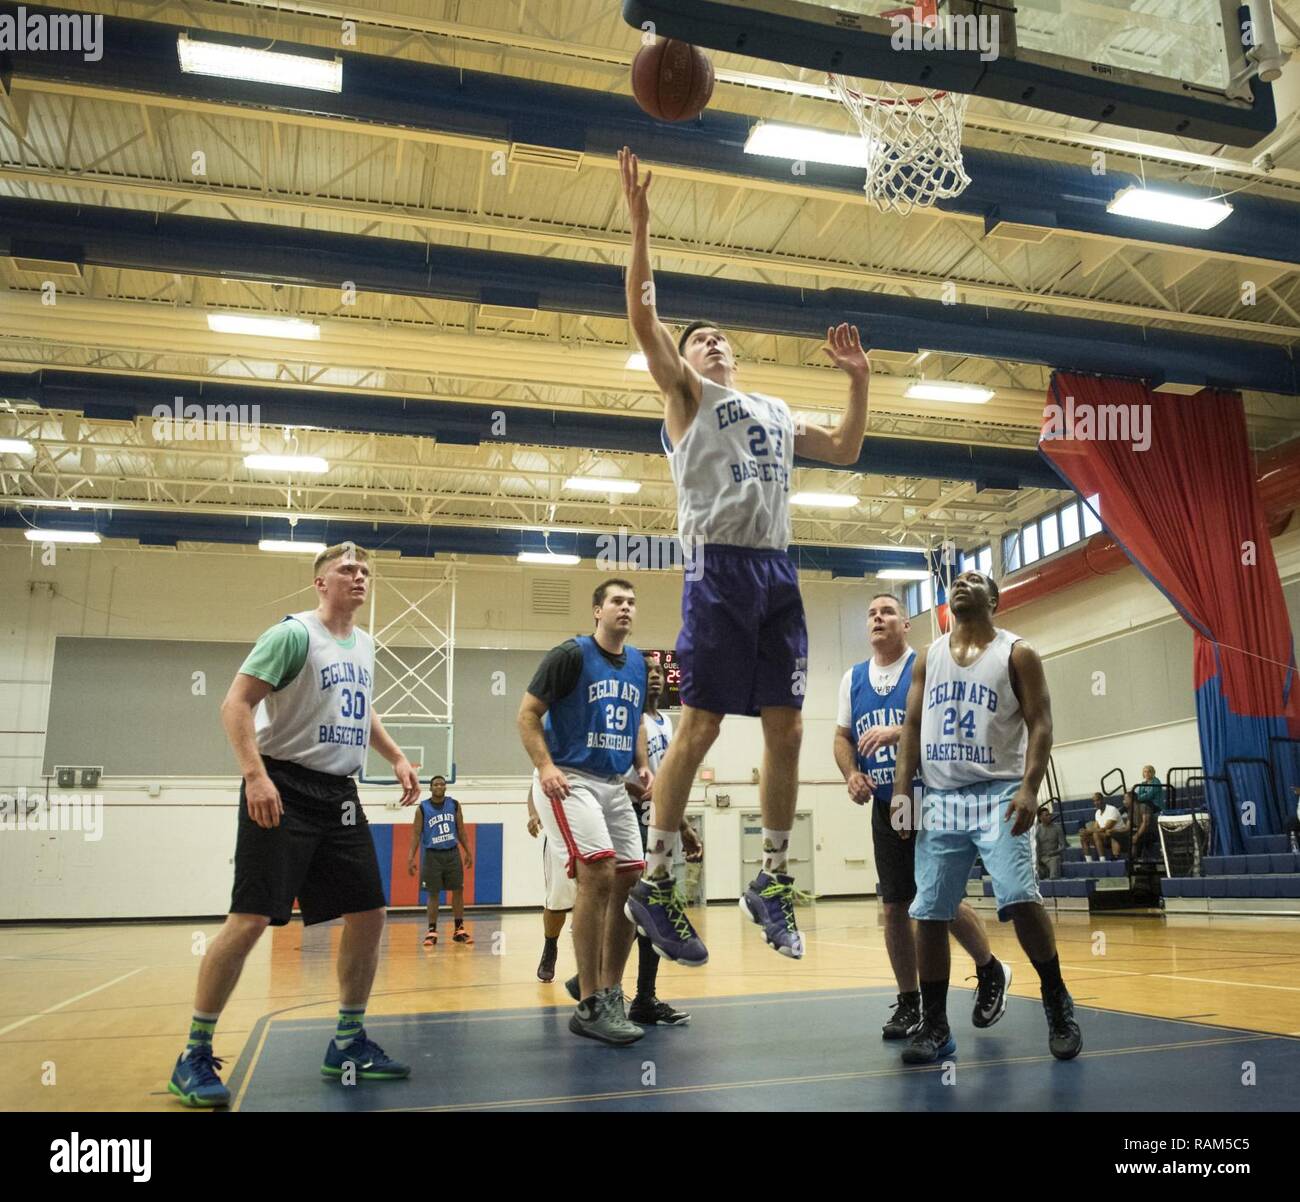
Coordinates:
<point>1063,1035</point>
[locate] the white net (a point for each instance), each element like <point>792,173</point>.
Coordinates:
<point>913,142</point>
<point>1183,842</point>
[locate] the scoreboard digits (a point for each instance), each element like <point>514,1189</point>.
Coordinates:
<point>667,660</point>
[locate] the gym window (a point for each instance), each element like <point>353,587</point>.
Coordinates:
<point>1052,532</point>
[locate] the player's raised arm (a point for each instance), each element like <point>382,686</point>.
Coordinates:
<point>842,445</point>
<point>677,380</point>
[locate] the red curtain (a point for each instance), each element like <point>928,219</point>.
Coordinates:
<point>1176,482</point>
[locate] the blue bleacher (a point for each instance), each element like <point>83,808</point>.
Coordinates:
<point>1067,888</point>
<point>1273,884</point>
<point>1263,845</point>
<point>1091,870</point>
<point>1260,865</point>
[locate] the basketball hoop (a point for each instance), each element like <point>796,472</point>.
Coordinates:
<point>912,135</point>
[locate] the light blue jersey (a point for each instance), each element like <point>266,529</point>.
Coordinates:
<point>594,728</point>
<point>439,829</point>
<point>871,708</point>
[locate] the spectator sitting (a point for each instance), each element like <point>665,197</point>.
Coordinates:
<point>1135,829</point>
<point>1093,837</point>
<point>1049,842</point>
<point>1150,790</point>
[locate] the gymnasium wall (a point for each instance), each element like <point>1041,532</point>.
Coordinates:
<point>167,840</point>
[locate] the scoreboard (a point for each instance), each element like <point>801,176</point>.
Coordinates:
<point>667,660</point>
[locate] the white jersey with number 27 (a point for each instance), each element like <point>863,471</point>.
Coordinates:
<point>732,470</point>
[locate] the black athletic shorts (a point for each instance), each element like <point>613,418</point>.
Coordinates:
<point>321,853</point>
<point>441,870</point>
<point>895,856</point>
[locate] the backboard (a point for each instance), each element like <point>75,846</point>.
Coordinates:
<point>1176,66</point>
<point>429,745</point>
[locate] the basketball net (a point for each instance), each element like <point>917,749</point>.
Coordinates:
<point>912,135</point>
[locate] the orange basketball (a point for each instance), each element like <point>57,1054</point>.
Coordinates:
<point>672,80</point>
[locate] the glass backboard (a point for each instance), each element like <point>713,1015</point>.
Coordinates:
<point>1176,66</point>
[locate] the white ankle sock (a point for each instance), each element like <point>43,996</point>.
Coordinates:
<point>660,846</point>
<point>776,851</point>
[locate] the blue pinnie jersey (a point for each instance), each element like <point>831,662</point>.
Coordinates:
<point>438,831</point>
<point>869,709</point>
<point>594,728</point>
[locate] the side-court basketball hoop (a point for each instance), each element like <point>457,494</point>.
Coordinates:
<point>912,135</point>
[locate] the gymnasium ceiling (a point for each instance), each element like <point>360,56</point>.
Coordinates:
<point>118,148</point>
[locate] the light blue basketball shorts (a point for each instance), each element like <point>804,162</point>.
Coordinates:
<point>957,824</point>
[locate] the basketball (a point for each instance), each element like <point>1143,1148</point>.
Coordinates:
<point>672,80</point>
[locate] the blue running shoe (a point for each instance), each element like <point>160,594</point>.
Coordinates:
<point>769,901</point>
<point>195,1081</point>
<point>658,911</point>
<point>372,1062</point>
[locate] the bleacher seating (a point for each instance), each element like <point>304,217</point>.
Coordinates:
<point>1092,870</point>
<point>1067,888</point>
<point>1273,884</point>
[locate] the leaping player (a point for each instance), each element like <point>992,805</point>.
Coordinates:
<point>743,646</point>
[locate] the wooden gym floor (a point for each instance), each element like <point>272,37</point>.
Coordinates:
<point>1179,1005</point>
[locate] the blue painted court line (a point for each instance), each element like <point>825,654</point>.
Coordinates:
<point>790,1051</point>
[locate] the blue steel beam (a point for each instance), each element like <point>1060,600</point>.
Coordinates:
<point>141,57</point>
<point>124,398</point>
<point>654,553</point>
<point>275,253</point>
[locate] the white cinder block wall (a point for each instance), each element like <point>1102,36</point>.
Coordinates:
<point>171,854</point>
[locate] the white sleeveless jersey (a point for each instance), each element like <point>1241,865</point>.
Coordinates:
<point>321,718</point>
<point>658,734</point>
<point>732,470</point>
<point>972,729</point>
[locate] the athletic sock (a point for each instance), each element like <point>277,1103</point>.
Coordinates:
<point>912,997</point>
<point>776,851</point>
<point>550,943</point>
<point>934,1001</point>
<point>647,970</point>
<point>988,969</point>
<point>201,1028</point>
<point>351,1020</point>
<point>1049,972</point>
<point>660,846</point>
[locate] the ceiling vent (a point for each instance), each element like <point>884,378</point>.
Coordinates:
<point>545,156</point>
<point>47,267</point>
<point>507,313</point>
<point>1014,231</point>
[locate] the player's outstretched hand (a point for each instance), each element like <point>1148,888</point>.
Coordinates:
<point>635,190</point>
<point>555,784</point>
<point>845,349</point>
<point>264,804</point>
<point>692,848</point>
<point>1024,806</point>
<point>860,788</point>
<point>406,775</point>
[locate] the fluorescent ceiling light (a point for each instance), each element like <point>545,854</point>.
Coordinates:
<point>15,446</point>
<point>1151,204</point>
<point>957,394</point>
<point>62,536</point>
<point>259,66</point>
<point>824,500</point>
<point>313,464</point>
<point>903,574</point>
<point>602,484</point>
<point>803,143</point>
<point>284,544</point>
<point>892,547</point>
<point>637,362</point>
<point>548,557</point>
<point>263,327</point>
